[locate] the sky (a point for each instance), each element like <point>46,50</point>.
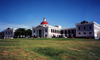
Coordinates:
<point>66,13</point>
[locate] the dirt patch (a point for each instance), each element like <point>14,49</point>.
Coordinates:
<point>25,54</point>
<point>13,53</point>
<point>22,51</point>
<point>4,53</point>
<point>8,53</point>
<point>74,49</point>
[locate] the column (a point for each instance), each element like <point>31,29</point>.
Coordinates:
<point>44,32</point>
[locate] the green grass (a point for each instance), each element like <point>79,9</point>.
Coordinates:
<point>49,49</point>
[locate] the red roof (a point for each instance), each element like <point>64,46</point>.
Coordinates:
<point>44,22</point>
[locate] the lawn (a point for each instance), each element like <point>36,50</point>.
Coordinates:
<point>49,49</point>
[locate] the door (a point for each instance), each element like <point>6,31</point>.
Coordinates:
<point>40,33</point>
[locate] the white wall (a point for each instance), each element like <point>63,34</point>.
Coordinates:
<point>9,33</point>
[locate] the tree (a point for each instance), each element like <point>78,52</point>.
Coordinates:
<point>29,32</point>
<point>20,32</point>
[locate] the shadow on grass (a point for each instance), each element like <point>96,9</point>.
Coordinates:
<point>50,52</point>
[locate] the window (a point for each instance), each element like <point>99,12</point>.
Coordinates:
<point>72,31</point>
<point>58,31</point>
<point>65,31</point>
<point>11,32</point>
<point>6,32</point>
<point>55,31</point>
<point>51,30</point>
<point>90,32</point>
<point>45,30</point>
<point>84,32</point>
<point>34,35</point>
<point>68,31</point>
<point>75,31</point>
<point>61,31</point>
<point>34,31</point>
<point>45,35</point>
<point>78,28</point>
<point>79,33</point>
<point>89,27</point>
<point>84,28</point>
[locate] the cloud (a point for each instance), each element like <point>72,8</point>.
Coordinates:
<point>6,25</point>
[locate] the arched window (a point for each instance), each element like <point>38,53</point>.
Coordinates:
<point>90,32</point>
<point>53,30</point>
<point>34,35</point>
<point>56,31</point>
<point>84,28</point>
<point>34,31</point>
<point>45,35</point>
<point>72,31</point>
<point>11,32</point>
<point>84,32</point>
<point>65,31</point>
<point>79,33</point>
<point>45,30</point>
<point>78,28</point>
<point>89,27</point>
<point>6,32</point>
<point>68,31</point>
<point>61,31</point>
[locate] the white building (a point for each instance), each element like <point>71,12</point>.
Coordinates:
<point>87,29</point>
<point>9,33</point>
<point>45,30</point>
<point>83,29</point>
<point>68,32</point>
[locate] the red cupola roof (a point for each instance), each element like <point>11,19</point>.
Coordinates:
<point>44,22</point>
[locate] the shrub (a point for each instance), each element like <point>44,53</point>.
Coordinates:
<point>72,37</point>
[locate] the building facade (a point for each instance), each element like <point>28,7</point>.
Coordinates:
<point>83,29</point>
<point>9,33</point>
<point>68,32</point>
<point>45,30</point>
<point>87,29</point>
<point>2,35</point>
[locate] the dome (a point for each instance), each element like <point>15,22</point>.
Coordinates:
<point>44,23</point>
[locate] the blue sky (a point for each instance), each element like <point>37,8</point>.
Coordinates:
<point>28,13</point>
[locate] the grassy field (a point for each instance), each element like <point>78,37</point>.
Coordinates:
<point>49,49</point>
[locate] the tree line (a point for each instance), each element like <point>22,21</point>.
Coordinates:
<point>22,32</point>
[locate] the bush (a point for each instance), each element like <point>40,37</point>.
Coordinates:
<point>72,37</point>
